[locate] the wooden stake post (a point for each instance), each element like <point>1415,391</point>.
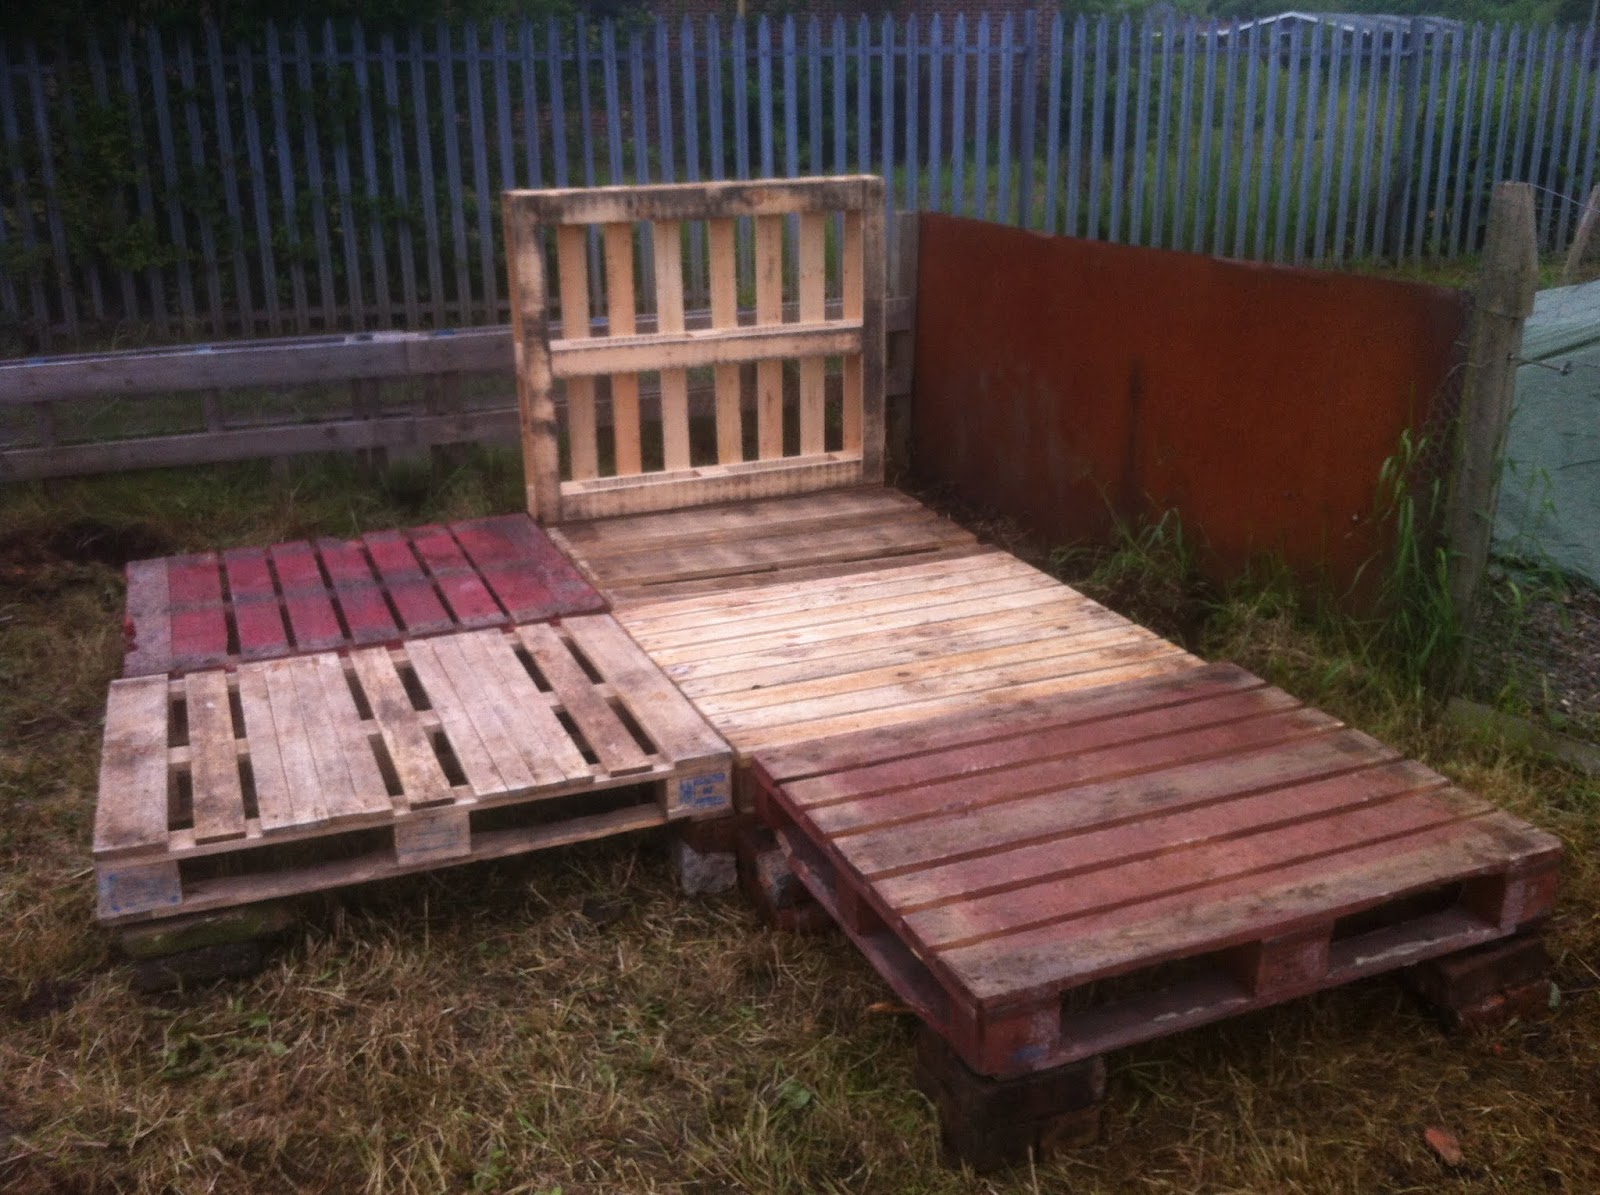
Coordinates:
<point>802,331</point>
<point>1503,302</point>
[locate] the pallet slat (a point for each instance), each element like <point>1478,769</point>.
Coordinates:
<point>657,216</point>
<point>218,796</point>
<point>890,647</point>
<point>132,813</point>
<point>299,597</point>
<point>1001,870</point>
<point>327,742</point>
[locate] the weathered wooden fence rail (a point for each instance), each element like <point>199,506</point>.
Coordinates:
<point>337,179</point>
<point>399,392</point>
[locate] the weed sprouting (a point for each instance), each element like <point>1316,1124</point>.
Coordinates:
<point>1420,632</point>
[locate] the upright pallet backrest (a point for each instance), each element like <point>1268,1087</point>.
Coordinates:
<point>850,328</point>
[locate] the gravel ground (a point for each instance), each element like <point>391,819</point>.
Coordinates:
<point>1546,657</point>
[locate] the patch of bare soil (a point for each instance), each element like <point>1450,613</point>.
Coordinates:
<point>1545,657</point>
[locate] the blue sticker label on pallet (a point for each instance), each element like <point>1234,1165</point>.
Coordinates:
<point>138,889</point>
<point>710,791</point>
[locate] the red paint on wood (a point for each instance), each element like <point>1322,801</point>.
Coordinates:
<point>988,894</point>
<point>345,563</point>
<point>421,612</point>
<point>194,580</point>
<point>312,620</point>
<point>392,555</point>
<point>249,578</point>
<point>336,593</point>
<point>297,568</point>
<point>470,603</point>
<point>367,614</point>
<point>199,637</point>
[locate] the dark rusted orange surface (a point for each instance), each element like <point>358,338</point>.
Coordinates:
<point>1067,382</point>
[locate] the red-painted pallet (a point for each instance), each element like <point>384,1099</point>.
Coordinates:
<point>201,611</point>
<point>1046,882</point>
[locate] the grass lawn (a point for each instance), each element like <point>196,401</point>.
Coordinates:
<point>568,1021</point>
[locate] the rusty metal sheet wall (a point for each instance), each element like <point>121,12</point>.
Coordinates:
<point>1067,383</point>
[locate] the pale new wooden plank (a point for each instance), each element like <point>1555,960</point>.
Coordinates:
<point>1037,607</point>
<point>545,743</point>
<point>335,792</point>
<point>525,268</point>
<point>300,773</point>
<point>769,346</point>
<point>713,610</point>
<point>421,777</point>
<point>769,310</point>
<point>912,713</point>
<point>962,608</point>
<point>725,314</point>
<point>572,262</point>
<point>131,807</point>
<point>605,733</point>
<point>667,239</point>
<point>368,793</point>
<point>275,800</point>
<point>853,281</point>
<point>812,273</point>
<point>711,483</point>
<point>938,683</point>
<point>620,320</point>
<point>1052,653</point>
<point>861,609</point>
<point>480,704</point>
<point>218,798</point>
<point>476,763</point>
<point>667,716</point>
<point>914,644</point>
<point>951,613</point>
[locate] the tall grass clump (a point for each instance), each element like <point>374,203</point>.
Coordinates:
<point>1419,631</point>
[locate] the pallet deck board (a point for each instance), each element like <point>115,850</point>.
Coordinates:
<point>1027,879</point>
<point>353,756</point>
<point>188,613</point>
<point>749,545</point>
<point>805,660</point>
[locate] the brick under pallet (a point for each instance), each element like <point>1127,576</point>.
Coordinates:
<point>1054,879</point>
<point>211,609</point>
<point>289,776</point>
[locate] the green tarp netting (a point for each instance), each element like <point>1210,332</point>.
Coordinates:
<point>1549,511</point>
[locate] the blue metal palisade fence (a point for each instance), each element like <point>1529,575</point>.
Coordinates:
<point>338,178</point>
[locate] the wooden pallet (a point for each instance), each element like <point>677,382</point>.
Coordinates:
<point>288,776</point>
<point>1049,881</point>
<point>668,224</point>
<point>713,549</point>
<point>211,609</point>
<point>795,662</point>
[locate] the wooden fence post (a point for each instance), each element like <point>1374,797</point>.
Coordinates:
<point>1586,239</point>
<point>1502,301</point>
<point>901,348</point>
